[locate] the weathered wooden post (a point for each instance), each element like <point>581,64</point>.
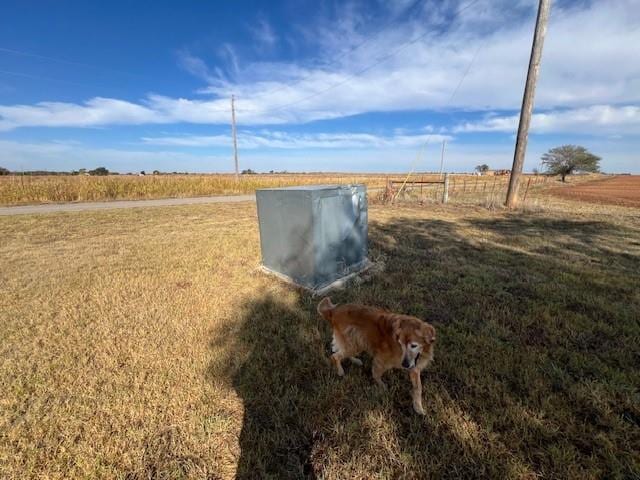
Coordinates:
<point>527,101</point>
<point>445,191</point>
<point>524,199</point>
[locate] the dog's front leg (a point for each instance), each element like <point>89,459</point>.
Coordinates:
<point>336,358</point>
<point>416,392</point>
<point>377,370</point>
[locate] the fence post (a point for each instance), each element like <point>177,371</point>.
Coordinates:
<point>526,191</point>
<point>445,191</point>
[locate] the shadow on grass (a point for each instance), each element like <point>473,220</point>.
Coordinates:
<point>534,374</point>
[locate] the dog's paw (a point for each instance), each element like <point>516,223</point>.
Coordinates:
<point>418,408</point>
<point>381,384</point>
<point>356,361</point>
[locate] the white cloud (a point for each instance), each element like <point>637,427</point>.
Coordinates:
<point>283,140</point>
<point>617,156</point>
<point>67,156</point>
<point>264,34</point>
<point>95,112</point>
<point>64,156</point>
<point>595,120</point>
<point>195,66</point>
<point>587,60</point>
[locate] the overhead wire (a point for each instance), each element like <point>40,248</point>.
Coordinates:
<point>66,62</point>
<point>352,76</point>
<point>423,149</point>
<point>344,54</point>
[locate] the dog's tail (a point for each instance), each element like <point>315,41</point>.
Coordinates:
<point>325,308</point>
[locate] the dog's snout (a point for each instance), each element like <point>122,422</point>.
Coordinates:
<point>405,363</point>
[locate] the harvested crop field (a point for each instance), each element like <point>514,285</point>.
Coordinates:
<point>25,190</point>
<point>618,190</point>
<point>143,344</point>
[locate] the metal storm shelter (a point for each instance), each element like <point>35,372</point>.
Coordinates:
<point>315,235</point>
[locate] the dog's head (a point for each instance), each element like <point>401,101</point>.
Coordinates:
<point>415,337</point>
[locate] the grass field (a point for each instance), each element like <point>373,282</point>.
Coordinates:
<point>143,343</point>
<point>19,190</point>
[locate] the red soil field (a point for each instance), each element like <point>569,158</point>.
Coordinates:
<point>618,190</point>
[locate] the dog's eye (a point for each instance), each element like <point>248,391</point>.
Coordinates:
<point>413,346</point>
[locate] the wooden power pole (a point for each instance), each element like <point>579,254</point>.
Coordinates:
<point>233,133</point>
<point>527,101</point>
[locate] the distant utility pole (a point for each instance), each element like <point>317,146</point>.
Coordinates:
<point>442,157</point>
<point>233,133</point>
<point>527,101</point>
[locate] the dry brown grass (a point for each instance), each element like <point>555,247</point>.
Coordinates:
<point>18,190</point>
<point>142,343</point>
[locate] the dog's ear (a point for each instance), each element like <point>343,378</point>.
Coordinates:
<point>428,333</point>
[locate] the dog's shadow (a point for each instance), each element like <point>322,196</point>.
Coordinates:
<point>279,365</point>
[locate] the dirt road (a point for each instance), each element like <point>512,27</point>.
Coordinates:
<point>76,207</point>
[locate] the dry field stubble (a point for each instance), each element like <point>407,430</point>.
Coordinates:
<point>18,190</point>
<point>143,344</point>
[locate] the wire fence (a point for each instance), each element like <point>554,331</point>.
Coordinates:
<point>462,189</point>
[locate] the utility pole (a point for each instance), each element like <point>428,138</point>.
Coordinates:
<point>442,157</point>
<point>233,133</point>
<point>527,101</point>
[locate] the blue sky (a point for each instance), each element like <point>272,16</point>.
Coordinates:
<point>334,86</point>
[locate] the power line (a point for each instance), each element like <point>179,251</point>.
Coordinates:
<point>453,94</point>
<point>66,62</point>
<point>473,59</point>
<point>361,71</point>
<point>39,77</point>
<point>344,54</point>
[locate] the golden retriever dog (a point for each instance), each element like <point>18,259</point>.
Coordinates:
<point>393,341</point>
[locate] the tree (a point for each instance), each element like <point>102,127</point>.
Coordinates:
<point>156,172</point>
<point>4,171</point>
<point>569,159</point>
<point>484,168</point>
<point>100,171</point>
<point>248,171</point>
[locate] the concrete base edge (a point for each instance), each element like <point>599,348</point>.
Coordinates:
<point>326,288</point>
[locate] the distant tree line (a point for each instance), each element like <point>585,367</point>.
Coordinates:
<point>83,171</point>
<point>562,161</point>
